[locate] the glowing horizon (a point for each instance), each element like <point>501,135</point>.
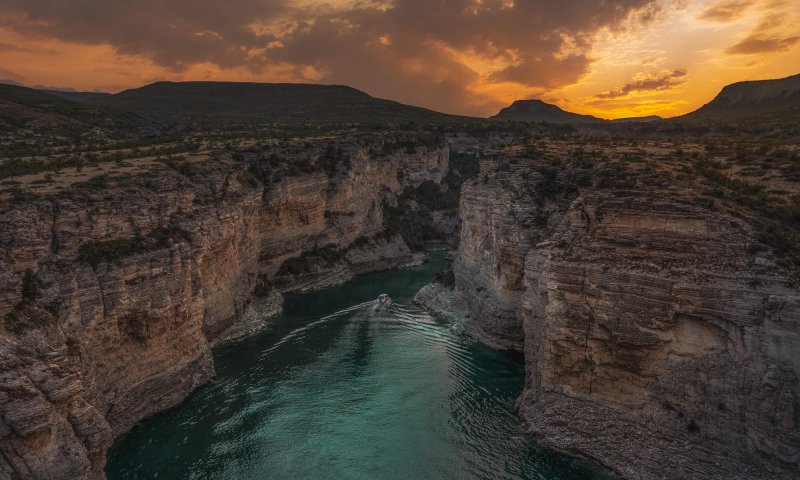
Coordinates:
<point>624,58</point>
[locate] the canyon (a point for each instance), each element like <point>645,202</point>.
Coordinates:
<point>660,339</point>
<point>112,299</point>
<point>652,290</point>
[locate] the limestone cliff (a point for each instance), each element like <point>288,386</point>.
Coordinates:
<point>112,296</point>
<point>661,339</point>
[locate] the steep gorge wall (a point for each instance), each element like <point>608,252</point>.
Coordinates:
<point>656,342</point>
<point>315,211</point>
<point>111,301</point>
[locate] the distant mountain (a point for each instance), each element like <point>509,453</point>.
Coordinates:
<point>753,101</point>
<point>539,111</point>
<point>264,102</point>
<point>74,96</point>
<point>650,118</point>
<point>28,108</point>
<point>68,94</point>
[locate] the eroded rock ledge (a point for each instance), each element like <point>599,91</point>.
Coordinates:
<point>656,342</point>
<point>112,298</point>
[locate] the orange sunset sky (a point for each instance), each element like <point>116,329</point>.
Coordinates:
<point>610,58</point>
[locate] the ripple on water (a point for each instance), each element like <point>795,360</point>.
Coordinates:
<point>338,388</point>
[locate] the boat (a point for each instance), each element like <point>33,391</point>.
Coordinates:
<point>384,298</point>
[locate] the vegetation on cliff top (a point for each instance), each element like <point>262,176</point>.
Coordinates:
<point>96,252</point>
<point>412,216</point>
<point>30,313</point>
<point>753,173</point>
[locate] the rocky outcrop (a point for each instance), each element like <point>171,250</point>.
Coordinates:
<point>111,300</point>
<point>256,315</point>
<point>491,258</point>
<point>443,301</point>
<point>656,342</point>
<point>367,255</point>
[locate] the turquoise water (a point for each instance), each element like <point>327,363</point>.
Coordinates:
<point>338,388</point>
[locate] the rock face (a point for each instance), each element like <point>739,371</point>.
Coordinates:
<point>111,300</point>
<point>305,214</point>
<point>655,343</point>
<point>761,100</point>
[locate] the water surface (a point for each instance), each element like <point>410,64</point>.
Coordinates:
<point>338,388</point>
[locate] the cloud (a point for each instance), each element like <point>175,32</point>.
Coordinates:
<point>407,50</point>
<point>753,44</point>
<point>726,11</point>
<point>440,54</point>
<point>7,47</point>
<point>769,36</point>
<point>172,33</point>
<point>654,81</point>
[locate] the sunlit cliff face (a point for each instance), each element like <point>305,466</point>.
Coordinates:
<point>614,58</point>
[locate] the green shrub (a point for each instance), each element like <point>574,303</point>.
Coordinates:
<point>26,317</point>
<point>333,159</point>
<point>319,257</point>
<point>247,179</point>
<point>434,196</point>
<point>462,168</point>
<point>31,284</point>
<point>263,287</point>
<point>21,195</point>
<point>94,184</point>
<point>95,253</point>
<point>415,226</point>
<point>445,277</point>
<point>176,163</point>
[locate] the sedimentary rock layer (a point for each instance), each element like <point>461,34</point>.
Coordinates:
<point>656,342</point>
<point>111,300</point>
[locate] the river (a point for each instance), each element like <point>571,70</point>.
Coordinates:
<point>338,388</point>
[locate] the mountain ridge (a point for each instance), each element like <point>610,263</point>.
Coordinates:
<point>265,102</point>
<point>29,108</point>
<point>752,100</point>
<point>75,96</point>
<point>535,110</point>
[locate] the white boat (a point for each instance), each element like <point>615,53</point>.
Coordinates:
<point>384,298</point>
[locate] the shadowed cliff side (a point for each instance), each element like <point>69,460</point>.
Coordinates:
<point>661,330</point>
<point>113,291</point>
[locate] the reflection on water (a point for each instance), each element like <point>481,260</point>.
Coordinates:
<point>339,387</point>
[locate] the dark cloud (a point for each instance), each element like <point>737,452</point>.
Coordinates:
<point>648,82</point>
<point>726,11</point>
<point>754,44</point>
<point>543,43</point>
<point>769,36</point>
<point>172,33</point>
<point>7,47</point>
<point>402,50</point>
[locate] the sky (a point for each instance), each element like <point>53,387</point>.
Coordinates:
<point>609,58</point>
